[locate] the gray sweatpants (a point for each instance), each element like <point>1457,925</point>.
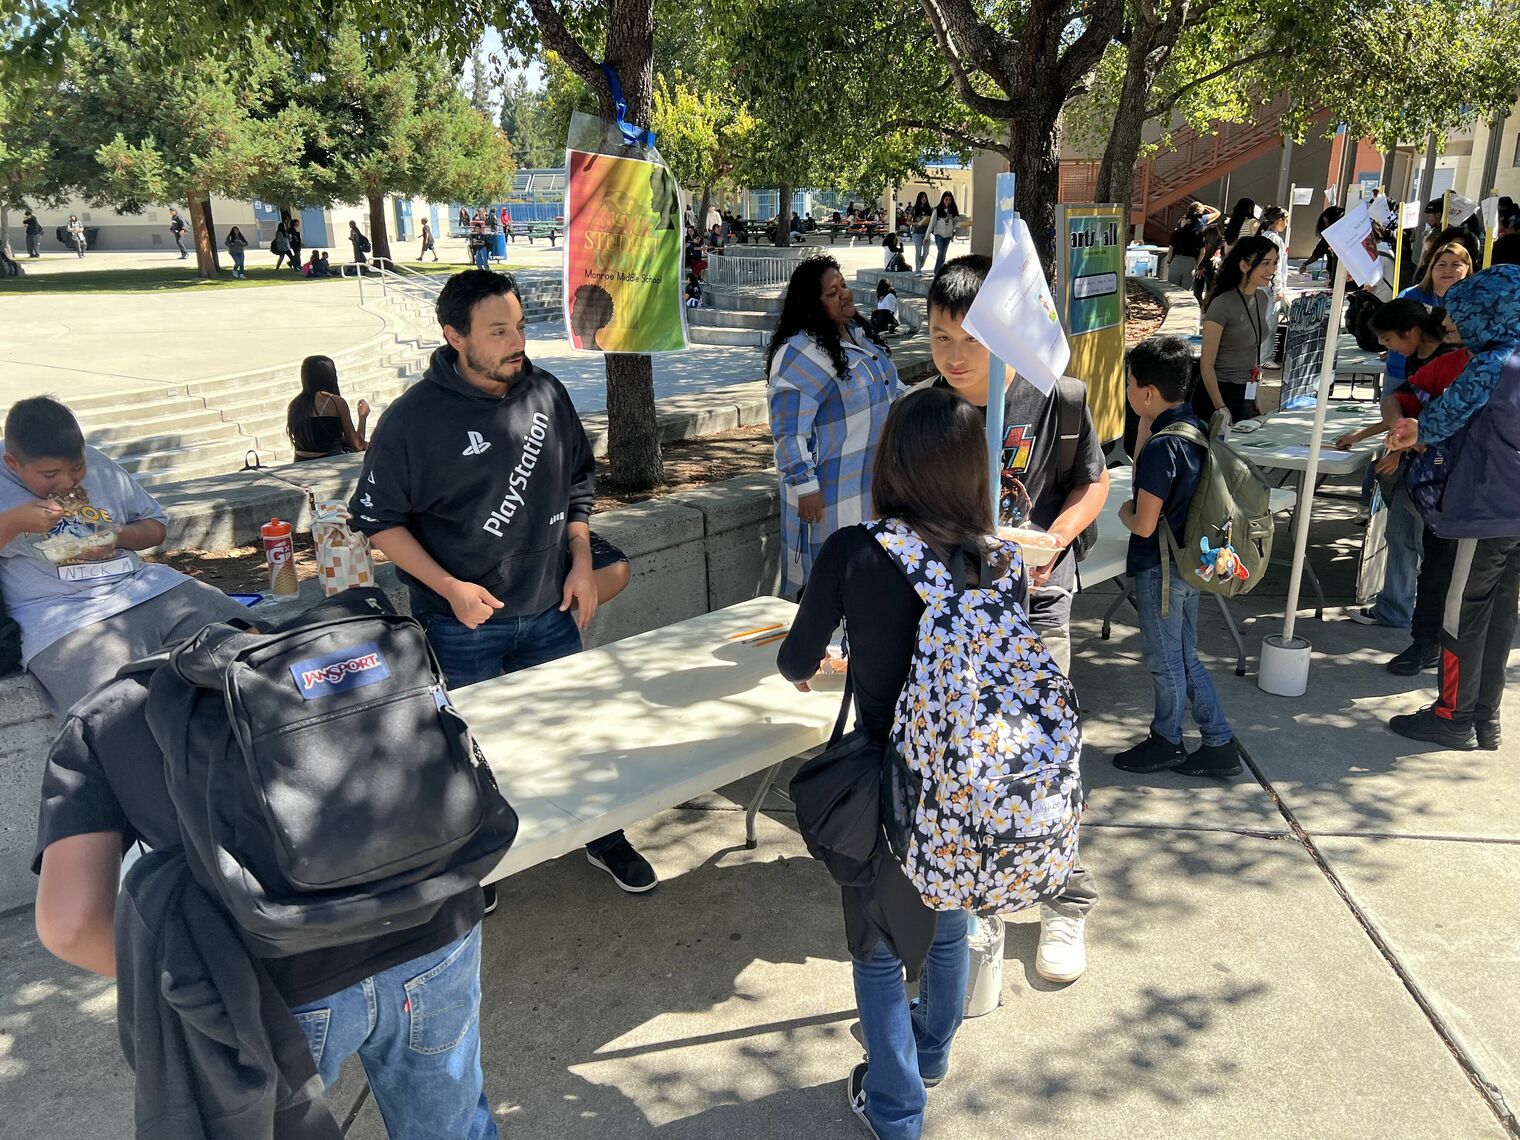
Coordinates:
<point>78,663</point>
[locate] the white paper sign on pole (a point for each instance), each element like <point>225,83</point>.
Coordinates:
<point>1303,195</point>
<point>1351,238</point>
<point>1015,317</point>
<point>1380,211</point>
<point>1409,215</point>
<point>1330,194</point>
<point>1490,214</point>
<point>1459,209</point>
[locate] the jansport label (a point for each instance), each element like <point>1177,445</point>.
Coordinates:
<point>340,671</point>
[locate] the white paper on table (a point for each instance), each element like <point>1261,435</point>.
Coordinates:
<point>1490,214</point>
<point>1015,316</point>
<point>1409,215</point>
<point>1351,238</point>
<point>1380,211</point>
<point>1459,209</point>
<point>1303,195</point>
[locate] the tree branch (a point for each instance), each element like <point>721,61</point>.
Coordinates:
<point>955,134</point>
<point>558,38</point>
<point>1165,104</point>
<point>1082,54</point>
<point>955,22</point>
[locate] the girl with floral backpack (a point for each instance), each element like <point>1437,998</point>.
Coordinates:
<point>978,735</point>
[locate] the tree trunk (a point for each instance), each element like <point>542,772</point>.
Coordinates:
<point>205,254</point>
<point>216,257</point>
<point>633,436</point>
<point>379,239</point>
<point>701,217</point>
<point>5,223</point>
<point>1116,173</point>
<point>1037,179</point>
<point>783,234</point>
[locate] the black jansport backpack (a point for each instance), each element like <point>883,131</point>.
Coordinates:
<point>326,790</point>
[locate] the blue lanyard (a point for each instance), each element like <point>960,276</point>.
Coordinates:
<point>632,135</point>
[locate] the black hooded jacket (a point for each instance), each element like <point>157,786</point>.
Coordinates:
<point>485,484</point>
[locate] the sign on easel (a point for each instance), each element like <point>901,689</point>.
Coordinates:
<point>1091,302</point>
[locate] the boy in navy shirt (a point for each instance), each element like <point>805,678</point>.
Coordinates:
<point>1167,471</point>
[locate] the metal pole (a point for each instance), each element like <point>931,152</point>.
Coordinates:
<point>1491,156</point>
<point>1427,181</point>
<point>1284,170</point>
<point>1311,469</point>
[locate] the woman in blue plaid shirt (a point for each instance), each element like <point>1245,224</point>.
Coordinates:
<point>831,383</point>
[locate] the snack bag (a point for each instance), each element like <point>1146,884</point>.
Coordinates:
<point>343,560</point>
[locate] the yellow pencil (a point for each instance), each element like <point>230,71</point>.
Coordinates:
<point>752,632</point>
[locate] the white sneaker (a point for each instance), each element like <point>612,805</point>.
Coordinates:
<point>1062,954</point>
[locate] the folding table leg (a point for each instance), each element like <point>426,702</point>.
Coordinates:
<point>1127,594</point>
<point>751,841</point>
<point>1240,649</point>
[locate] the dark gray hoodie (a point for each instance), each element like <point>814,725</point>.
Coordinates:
<point>486,485</point>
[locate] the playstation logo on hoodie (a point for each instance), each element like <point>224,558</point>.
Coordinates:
<point>478,445</point>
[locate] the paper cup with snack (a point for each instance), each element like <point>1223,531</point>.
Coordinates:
<point>66,547</point>
<point>1039,547</point>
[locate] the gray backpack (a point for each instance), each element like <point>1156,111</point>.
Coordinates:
<point>1227,543</point>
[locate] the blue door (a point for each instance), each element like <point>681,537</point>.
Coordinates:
<point>314,233</point>
<point>404,227</point>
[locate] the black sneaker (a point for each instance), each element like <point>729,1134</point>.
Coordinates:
<point>489,890</point>
<point>629,870</point>
<point>1217,760</point>
<point>1414,660</point>
<point>1488,734</point>
<point>1425,725</point>
<point>855,1094</point>
<point>1153,754</point>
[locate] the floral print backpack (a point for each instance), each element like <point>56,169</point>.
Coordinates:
<point>981,790</point>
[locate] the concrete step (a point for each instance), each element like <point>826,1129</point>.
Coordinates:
<point>104,429</point>
<point>148,400</point>
<point>170,464</point>
<point>740,337</point>
<point>906,284</point>
<point>170,438</point>
<point>730,319</point>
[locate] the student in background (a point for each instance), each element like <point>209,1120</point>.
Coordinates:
<point>1167,472</point>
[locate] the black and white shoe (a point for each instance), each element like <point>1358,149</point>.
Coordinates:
<point>629,870</point>
<point>1362,616</point>
<point>855,1093</point>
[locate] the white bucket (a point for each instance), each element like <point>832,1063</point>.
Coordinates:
<point>984,986</point>
<point>1284,666</point>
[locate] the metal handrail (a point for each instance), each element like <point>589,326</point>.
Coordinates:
<point>731,272</point>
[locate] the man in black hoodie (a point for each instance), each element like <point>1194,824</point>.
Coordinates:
<point>478,486</point>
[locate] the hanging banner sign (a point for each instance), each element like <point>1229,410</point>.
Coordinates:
<point>623,253</point>
<point>1351,238</point>
<point>1090,300</point>
<point>1015,317</point>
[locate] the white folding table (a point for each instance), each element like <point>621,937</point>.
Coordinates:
<point>601,740</point>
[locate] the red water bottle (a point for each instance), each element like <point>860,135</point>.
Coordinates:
<point>280,554</point>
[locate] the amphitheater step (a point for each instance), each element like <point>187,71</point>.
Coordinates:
<point>730,319</point>
<point>741,337</point>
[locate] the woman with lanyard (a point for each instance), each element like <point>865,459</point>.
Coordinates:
<point>1234,330</point>
<point>831,383</point>
<point>1274,227</point>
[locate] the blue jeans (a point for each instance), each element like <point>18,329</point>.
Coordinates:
<point>482,258</point>
<point>1403,533</point>
<point>416,1028</point>
<point>920,250</point>
<point>1170,647</point>
<point>941,244</point>
<point>500,646</point>
<point>906,1047</point>
<point>237,256</point>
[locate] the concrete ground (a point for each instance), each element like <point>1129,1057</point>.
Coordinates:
<point>1322,947</point>
<point>119,342</point>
